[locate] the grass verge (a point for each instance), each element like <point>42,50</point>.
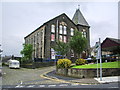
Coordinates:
<point>104,65</point>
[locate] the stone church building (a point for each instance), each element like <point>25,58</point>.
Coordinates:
<point>59,28</point>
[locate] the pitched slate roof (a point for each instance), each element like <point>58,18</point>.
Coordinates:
<point>110,42</point>
<point>115,40</point>
<point>78,18</point>
<point>63,14</point>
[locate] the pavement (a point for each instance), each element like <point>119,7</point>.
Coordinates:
<point>84,81</point>
<point>108,79</point>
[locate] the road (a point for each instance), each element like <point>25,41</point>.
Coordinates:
<point>64,85</point>
<point>33,78</point>
<point>26,76</point>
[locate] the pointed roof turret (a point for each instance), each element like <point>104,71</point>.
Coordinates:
<point>78,18</point>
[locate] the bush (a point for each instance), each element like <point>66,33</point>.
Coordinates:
<point>63,63</point>
<point>80,61</point>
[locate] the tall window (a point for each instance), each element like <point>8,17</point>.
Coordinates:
<point>84,34</point>
<point>53,28</point>
<point>60,29</point>
<point>72,31</point>
<point>65,39</point>
<point>65,31</point>
<point>60,38</point>
<point>52,37</point>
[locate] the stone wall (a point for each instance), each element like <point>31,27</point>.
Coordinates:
<point>38,65</point>
<point>88,73</point>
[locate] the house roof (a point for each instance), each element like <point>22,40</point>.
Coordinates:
<point>78,18</point>
<point>110,43</point>
<point>49,21</point>
<point>115,40</point>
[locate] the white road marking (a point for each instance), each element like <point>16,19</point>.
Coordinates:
<point>75,84</point>
<point>19,86</point>
<point>51,85</point>
<point>21,82</point>
<point>31,86</point>
<point>41,86</point>
<point>84,84</point>
<point>63,85</point>
<point>113,87</point>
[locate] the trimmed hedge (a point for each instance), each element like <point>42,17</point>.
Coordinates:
<point>63,63</point>
<point>80,61</point>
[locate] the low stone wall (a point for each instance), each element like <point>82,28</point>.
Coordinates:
<point>38,65</point>
<point>88,73</point>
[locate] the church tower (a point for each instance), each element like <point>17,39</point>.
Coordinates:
<point>83,27</point>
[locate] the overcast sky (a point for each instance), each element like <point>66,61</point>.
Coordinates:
<point>21,18</point>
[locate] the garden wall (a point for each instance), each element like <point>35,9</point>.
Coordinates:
<point>87,73</point>
<point>38,65</point>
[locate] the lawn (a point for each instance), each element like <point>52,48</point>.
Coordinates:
<point>104,65</point>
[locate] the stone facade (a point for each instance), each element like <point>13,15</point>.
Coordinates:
<point>59,28</point>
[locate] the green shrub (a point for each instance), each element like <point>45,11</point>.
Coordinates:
<point>4,64</point>
<point>63,63</point>
<point>80,61</point>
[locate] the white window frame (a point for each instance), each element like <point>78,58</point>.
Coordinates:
<point>53,28</point>
<point>65,30</point>
<point>60,29</point>
<point>65,39</point>
<point>72,32</point>
<point>84,33</point>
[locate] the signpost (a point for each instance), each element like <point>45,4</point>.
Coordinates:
<point>98,57</point>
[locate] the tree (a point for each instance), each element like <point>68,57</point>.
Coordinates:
<point>61,48</point>
<point>27,51</point>
<point>78,43</point>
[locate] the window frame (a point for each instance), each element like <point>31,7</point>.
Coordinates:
<point>52,28</point>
